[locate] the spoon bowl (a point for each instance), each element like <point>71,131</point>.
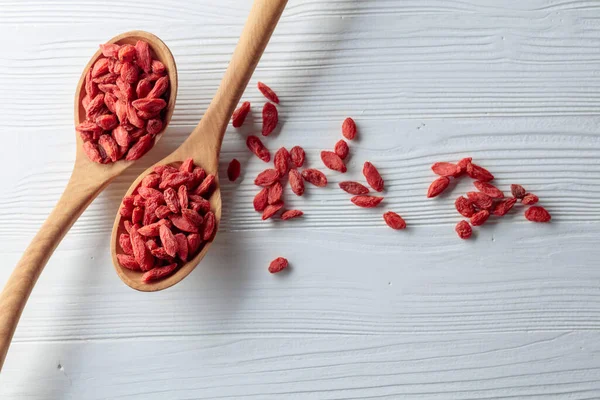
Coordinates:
<point>204,143</point>
<point>87,180</point>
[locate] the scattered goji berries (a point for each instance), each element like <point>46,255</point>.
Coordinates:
<point>445,169</point>
<point>529,199</point>
<point>332,161</point>
<point>517,191</point>
<point>240,114</point>
<point>270,118</point>
<point>503,207</point>
<point>296,182</point>
<point>233,170</point>
<point>315,177</point>
<point>289,214</point>
<point>464,207</point>
<point>125,108</point>
<point>373,177</point>
<point>282,160</point>
<point>166,226</point>
<point>258,148</point>
<point>366,201</point>
<point>297,155</point>
<point>463,229</point>
<point>479,173</point>
<point>341,149</point>
<point>438,186</point>
<point>268,92</point>
<point>537,214</point>
<point>349,129</point>
<point>353,187</point>
<point>278,265</point>
<point>489,189</point>
<point>480,217</point>
<point>394,221</point>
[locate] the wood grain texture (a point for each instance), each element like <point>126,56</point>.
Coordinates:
<point>365,312</point>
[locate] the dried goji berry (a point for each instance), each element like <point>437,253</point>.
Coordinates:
<point>182,195</point>
<point>341,149</point>
<point>142,55</point>
<point>349,128</point>
<point>257,147</point>
<point>271,210</point>
<point>537,214</point>
<point>209,227</point>
<point>462,164</point>
<point>394,221</point>
<point>480,217</point>
<point>289,214</point>
<point>100,67</point>
<point>126,53</point>
<point>182,246</point>
<point>479,173</point>
<point>278,265</point>
<point>140,251</point>
<point>205,188</point>
<point>240,114</point>
<point>366,201</point>
<point>125,243</point>
<point>261,199</point>
<point>481,200</point>
<point>297,155</point>
<point>152,229</point>
<point>333,161</point>
<point>148,193</point>
<point>281,161</point>
<point>489,189</point>
<point>268,92</point>
<point>110,147</point>
<point>162,212</point>
<point>171,200</point>
<point>353,187</point>
<point>275,193</point>
<point>464,206</point>
<point>168,240</point>
<point>267,177</point>
<point>160,87</point>
<point>144,86</point>
<point>149,105</point>
<point>140,148</point>
<point>159,273</point>
<point>194,242</point>
<point>296,182</point>
<point>530,199</point>
<point>445,169</point>
<point>183,224</point>
<point>128,261</point>
<point>518,191</point>
<point>110,50</point>
<point>463,229</point>
<point>373,177</point>
<point>438,186</point>
<point>193,216</point>
<point>315,177</point>
<point>269,119</point>
<point>503,207</point>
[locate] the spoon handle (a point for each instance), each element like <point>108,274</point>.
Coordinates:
<point>78,194</point>
<point>259,27</point>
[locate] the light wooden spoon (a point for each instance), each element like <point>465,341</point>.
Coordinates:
<point>87,180</point>
<point>204,143</point>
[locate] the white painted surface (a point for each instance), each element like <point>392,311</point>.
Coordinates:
<point>365,312</point>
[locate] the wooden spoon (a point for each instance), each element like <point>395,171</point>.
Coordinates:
<point>204,143</point>
<point>87,180</point>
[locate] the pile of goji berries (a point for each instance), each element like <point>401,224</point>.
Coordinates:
<point>167,219</point>
<point>488,200</point>
<point>269,200</point>
<point>125,99</point>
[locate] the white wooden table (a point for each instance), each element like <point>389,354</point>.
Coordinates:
<point>366,312</point>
